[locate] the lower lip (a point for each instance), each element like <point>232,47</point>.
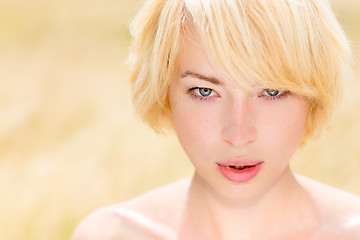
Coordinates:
<point>239,176</point>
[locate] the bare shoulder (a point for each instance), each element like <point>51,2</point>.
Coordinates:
<point>338,210</point>
<point>101,224</point>
<point>145,217</point>
<point>158,211</point>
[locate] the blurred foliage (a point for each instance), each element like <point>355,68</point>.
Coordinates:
<point>69,141</point>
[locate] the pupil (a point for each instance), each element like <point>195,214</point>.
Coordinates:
<point>205,91</point>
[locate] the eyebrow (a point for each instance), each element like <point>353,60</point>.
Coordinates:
<point>212,80</point>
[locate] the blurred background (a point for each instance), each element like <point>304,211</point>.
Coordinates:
<point>69,139</point>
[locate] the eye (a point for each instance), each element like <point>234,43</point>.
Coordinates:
<point>271,92</point>
<point>274,94</point>
<point>204,92</point>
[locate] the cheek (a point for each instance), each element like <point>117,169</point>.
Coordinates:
<point>193,126</point>
<point>284,127</point>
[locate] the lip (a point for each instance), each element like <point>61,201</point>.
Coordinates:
<point>239,176</point>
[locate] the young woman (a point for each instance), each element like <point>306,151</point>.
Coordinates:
<point>243,83</point>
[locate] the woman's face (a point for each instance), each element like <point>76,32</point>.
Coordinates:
<point>234,137</point>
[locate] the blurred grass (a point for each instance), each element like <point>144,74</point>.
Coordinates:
<point>69,140</point>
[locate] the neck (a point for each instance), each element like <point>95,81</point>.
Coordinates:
<point>280,203</point>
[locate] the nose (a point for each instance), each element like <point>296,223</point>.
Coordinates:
<point>239,128</point>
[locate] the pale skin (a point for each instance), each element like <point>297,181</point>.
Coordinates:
<point>216,120</point>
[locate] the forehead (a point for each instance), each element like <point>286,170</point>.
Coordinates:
<point>193,55</point>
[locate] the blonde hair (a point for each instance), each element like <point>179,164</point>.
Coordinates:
<point>296,45</point>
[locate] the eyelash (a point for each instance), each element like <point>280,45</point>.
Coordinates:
<point>196,96</point>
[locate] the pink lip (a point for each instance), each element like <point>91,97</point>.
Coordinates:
<point>243,175</point>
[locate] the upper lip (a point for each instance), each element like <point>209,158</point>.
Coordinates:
<point>240,162</point>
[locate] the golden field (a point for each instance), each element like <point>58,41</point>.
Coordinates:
<point>69,139</point>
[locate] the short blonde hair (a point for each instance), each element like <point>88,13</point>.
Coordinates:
<point>296,45</point>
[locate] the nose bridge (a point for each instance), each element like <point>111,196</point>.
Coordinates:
<point>240,112</point>
<point>239,128</point>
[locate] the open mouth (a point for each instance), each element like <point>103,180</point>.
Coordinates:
<point>240,173</point>
<point>241,167</point>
